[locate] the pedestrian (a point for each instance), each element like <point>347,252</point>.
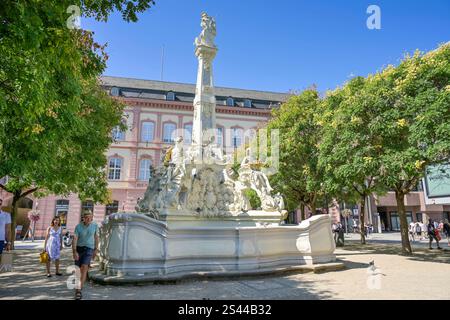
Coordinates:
<point>53,245</point>
<point>334,227</point>
<point>5,229</point>
<point>84,247</point>
<point>412,230</point>
<point>355,226</point>
<point>432,234</point>
<point>446,228</point>
<point>424,230</point>
<point>418,230</point>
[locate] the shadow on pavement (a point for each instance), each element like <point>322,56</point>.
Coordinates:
<point>28,281</point>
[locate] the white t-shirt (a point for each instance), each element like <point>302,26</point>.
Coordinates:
<point>5,218</point>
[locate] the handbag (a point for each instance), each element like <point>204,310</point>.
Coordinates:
<point>438,236</point>
<point>43,257</point>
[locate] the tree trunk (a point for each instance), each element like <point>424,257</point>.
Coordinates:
<point>302,212</point>
<point>404,230</point>
<point>361,219</point>
<point>16,198</point>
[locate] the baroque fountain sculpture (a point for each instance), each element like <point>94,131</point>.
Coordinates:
<point>195,219</point>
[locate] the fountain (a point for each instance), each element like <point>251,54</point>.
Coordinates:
<point>195,219</point>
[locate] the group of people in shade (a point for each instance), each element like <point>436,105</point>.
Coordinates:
<point>432,231</point>
<point>84,247</point>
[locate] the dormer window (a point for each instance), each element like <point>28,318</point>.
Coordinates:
<point>247,103</point>
<point>115,92</point>
<point>170,96</point>
<point>230,102</point>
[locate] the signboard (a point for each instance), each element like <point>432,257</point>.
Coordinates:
<point>437,185</point>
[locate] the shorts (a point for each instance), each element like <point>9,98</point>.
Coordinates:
<point>2,244</point>
<point>84,256</point>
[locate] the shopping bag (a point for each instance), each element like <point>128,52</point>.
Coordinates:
<point>6,262</point>
<point>43,257</point>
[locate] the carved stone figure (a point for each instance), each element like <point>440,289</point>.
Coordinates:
<point>208,33</point>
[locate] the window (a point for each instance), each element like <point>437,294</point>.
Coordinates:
<point>237,137</point>
<point>230,102</point>
<point>145,169</point>
<point>115,92</point>
<point>219,136</point>
<point>112,208</point>
<point>87,206</point>
<point>168,130</point>
<point>247,103</point>
<point>419,217</point>
<point>147,132</point>
<point>115,165</point>
<point>395,220</point>
<point>118,135</point>
<point>188,133</point>
<point>170,96</point>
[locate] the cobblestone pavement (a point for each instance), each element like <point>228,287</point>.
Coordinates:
<point>425,275</point>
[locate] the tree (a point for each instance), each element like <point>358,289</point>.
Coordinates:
<point>350,147</point>
<point>55,120</point>
<point>416,124</point>
<point>299,177</point>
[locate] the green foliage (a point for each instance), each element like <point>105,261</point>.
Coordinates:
<point>252,196</point>
<point>55,119</point>
<point>299,177</point>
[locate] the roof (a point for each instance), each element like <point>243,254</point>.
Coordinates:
<point>190,89</point>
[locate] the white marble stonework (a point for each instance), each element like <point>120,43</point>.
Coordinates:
<point>195,218</point>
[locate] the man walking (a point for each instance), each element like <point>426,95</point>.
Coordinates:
<point>84,247</point>
<point>432,234</point>
<point>5,229</point>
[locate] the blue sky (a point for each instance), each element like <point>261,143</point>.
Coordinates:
<point>272,45</point>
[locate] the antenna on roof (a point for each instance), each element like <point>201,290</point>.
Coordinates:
<point>162,64</point>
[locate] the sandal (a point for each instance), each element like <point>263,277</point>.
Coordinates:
<point>78,295</point>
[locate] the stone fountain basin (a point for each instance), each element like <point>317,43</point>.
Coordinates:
<point>136,248</point>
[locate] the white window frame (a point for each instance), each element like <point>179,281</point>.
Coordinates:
<point>115,168</point>
<point>147,135</point>
<point>167,138</point>
<point>145,172</point>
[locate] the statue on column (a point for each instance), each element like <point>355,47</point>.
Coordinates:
<point>208,33</point>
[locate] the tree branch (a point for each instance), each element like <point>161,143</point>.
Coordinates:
<point>28,192</point>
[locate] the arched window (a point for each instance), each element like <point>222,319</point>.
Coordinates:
<point>168,130</point>
<point>237,137</point>
<point>247,103</point>
<point>115,167</point>
<point>147,131</point>
<point>188,133</point>
<point>230,102</point>
<point>145,169</point>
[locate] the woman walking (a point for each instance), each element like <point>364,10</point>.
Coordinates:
<point>53,245</point>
